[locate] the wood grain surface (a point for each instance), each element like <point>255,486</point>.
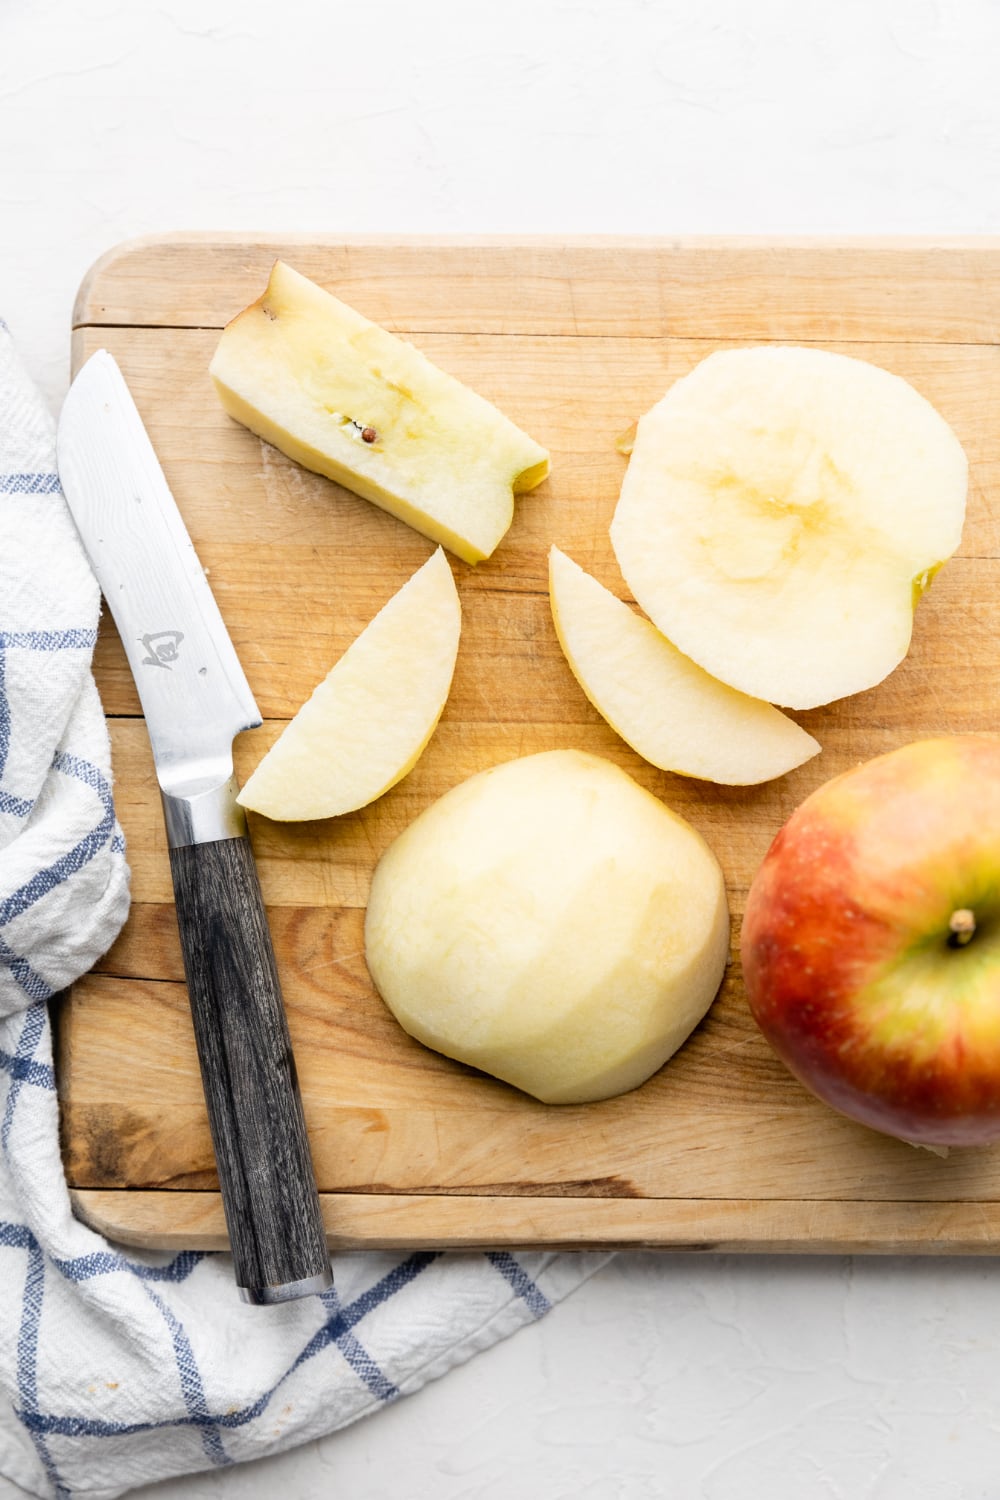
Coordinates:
<point>573,340</point>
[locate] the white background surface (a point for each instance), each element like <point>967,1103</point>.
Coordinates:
<point>723,1378</point>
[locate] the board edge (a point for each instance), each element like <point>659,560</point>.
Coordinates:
<point>86,304</point>
<point>414,1221</point>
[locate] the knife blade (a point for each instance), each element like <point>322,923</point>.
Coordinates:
<point>196,699</point>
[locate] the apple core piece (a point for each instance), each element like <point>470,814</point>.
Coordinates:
<point>342,396</point>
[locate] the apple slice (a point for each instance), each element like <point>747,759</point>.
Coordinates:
<point>668,709</point>
<point>344,397</point>
<point>368,721</point>
<point>782,512</point>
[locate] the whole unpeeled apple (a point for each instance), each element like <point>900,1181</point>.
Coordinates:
<point>871,942</point>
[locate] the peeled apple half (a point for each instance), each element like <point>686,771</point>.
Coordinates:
<point>782,512</point>
<point>552,923</point>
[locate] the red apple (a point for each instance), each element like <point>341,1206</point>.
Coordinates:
<point>871,942</point>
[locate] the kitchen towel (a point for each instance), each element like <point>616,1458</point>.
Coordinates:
<point>119,1369</point>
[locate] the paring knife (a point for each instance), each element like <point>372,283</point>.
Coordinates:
<point>196,699</point>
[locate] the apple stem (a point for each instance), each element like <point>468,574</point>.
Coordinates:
<point>961,927</point>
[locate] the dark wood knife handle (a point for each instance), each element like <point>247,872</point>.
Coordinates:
<point>248,1072</point>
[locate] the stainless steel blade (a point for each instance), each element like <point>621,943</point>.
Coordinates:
<point>192,688</point>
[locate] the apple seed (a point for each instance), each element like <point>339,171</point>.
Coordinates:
<point>961,927</point>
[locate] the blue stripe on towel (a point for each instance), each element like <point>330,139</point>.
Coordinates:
<point>192,1388</point>
<point>4,712</point>
<point>27,1362</point>
<point>35,1022</point>
<point>15,807</point>
<point>357,1356</point>
<point>514,1272</point>
<point>26,1070</point>
<point>76,639</point>
<point>44,881</point>
<point>33,985</point>
<point>16,1236</point>
<point>104,1262</point>
<point>30,484</point>
<point>74,859</point>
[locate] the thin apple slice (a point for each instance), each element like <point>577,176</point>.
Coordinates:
<point>369,720</point>
<point>661,703</point>
<point>782,512</point>
<point>346,398</point>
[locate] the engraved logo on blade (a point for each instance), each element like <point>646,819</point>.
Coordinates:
<point>162,647</point>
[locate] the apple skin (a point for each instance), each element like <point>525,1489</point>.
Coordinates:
<point>850,967</point>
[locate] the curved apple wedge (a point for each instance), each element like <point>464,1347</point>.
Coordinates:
<point>369,720</point>
<point>668,709</point>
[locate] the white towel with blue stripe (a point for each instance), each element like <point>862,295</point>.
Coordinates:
<point>117,1370</point>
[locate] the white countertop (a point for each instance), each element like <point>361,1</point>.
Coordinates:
<point>715,1377</point>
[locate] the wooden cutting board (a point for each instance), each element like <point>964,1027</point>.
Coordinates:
<point>723,1149</point>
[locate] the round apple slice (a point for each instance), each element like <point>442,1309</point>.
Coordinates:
<point>368,721</point>
<point>662,704</point>
<point>782,512</point>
